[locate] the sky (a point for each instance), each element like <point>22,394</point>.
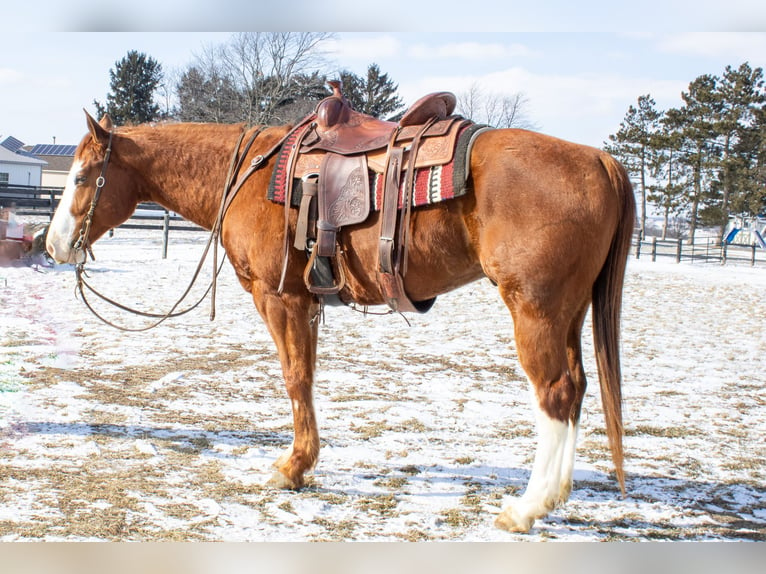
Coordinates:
<point>577,72</point>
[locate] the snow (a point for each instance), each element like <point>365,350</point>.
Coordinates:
<point>426,429</point>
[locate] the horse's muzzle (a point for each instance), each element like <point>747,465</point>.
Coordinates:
<point>62,251</point>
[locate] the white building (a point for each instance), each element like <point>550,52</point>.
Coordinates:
<point>19,167</point>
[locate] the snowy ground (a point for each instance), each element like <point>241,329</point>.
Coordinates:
<point>170,434</point>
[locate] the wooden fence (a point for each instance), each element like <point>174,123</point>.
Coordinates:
<point>704,250</point>
<point>30,200</point>
<point>42,201</point>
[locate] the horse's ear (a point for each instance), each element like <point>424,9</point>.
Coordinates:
<point>106,122</point>
<point>99,130</point>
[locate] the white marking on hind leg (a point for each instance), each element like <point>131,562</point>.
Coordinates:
<point>567,469</point>
<point>544,487</point>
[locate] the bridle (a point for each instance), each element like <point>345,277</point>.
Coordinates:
<point>232,187</point>
<point>82,243</point>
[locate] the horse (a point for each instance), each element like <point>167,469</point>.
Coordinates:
<point>549,222</point>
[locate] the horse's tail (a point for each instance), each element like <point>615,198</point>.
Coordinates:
<point>607,304</point>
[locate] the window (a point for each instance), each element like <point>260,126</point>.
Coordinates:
<point>3,178</point>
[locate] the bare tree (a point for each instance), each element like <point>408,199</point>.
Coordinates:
<point>263,67</point>
<point>495,109</point>
<point>255,77</point>
<point>469,102</point>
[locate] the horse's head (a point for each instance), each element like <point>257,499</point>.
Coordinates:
<point>101,193</point>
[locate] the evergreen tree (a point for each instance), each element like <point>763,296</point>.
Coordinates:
<point>669,174</point>
<point>375,95</point>
<point>695,122</point>
<point>205,98</point>
<point>133,82</point>
<point>749,186</point>
<point>635,146</point>
<point>352,87</point>
<point>741,95</point>
<point>707,159</point>
<point>757,201</point>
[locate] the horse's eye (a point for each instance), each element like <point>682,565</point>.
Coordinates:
<point>80,179</point>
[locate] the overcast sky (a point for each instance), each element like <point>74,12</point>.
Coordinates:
<point>577,78</point>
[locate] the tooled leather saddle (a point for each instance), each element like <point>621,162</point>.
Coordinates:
<point>332,158</point>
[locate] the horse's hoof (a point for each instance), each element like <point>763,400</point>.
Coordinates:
<point>564,491</point>
<point>510,520</point>
<point>279,480</point>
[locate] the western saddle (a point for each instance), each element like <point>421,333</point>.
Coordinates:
<point>332,157</point>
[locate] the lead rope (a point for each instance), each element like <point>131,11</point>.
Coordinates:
<point>234,166</point>
<point>82,243</point>
<point>230,191</point>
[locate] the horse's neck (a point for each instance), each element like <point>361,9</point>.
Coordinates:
<point>186,167</point>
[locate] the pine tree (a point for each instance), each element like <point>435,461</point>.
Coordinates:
<point>634,145</point>
<point>708,158</point>
<point>669,174</point>
<point>133,82</point>
<point>741,95</point>
<point>375,95</point>
<point>205,97</point>
<point>352,87</point>
<point>695,122</point>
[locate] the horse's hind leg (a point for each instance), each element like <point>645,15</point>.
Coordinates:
<point>543,340</point>
<point>577,374</point>
<point>289,319</point>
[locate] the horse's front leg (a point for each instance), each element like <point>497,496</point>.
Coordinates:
<point>289,319</point>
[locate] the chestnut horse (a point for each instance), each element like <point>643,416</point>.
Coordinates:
<point>547,221</point>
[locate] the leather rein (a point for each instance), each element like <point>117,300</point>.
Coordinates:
<point>231,188</point>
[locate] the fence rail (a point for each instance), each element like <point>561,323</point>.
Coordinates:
<point>706,250</point>
<point>30,200</point>
<point>42,201</point>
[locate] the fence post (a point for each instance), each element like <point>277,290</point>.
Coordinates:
<point>638,247</point>
<point>752,256</point>
<point>165,232</point>
<point>678,250</point>
<point>654,249</point>
<point>53,204</point>
<point>723,253</point>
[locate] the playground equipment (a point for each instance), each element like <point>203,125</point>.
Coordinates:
<point>746,232</point>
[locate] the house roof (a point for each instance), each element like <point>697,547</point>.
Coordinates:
<point>57,162</point>
<point>7,156</point>
<point>59,157</point>
<point>54,157</point>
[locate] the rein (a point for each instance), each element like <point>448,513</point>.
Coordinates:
<point>230,191</point>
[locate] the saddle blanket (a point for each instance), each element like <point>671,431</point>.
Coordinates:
<point>432,184</point>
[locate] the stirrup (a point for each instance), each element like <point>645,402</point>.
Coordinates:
<point>332,289</point>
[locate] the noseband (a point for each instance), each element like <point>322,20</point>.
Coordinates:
<point>82,243</point>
